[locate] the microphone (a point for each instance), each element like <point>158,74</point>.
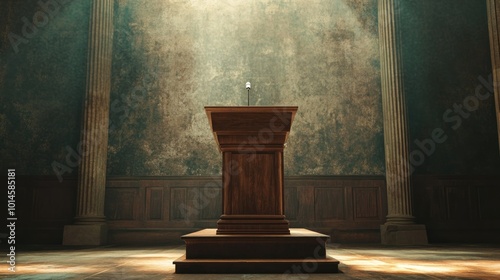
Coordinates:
<point>248,86</point>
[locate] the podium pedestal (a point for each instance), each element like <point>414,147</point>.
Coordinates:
<point>301,251</point>
<point>252,234</point>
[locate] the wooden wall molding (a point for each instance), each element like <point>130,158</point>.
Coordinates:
<point>323,203</point>
<point>349,208</point>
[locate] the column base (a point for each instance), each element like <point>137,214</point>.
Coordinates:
<point>394,234</point>
<point>90,235</point>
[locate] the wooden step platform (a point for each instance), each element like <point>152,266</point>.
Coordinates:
<point>301,251</point>
<point>282,266</point>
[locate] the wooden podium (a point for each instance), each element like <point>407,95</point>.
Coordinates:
<point>252,234</point>
<point>252,140</point>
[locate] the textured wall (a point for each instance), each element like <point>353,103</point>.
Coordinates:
<point>171,58</point>
<point>42,82</point>
<point>446,51</point>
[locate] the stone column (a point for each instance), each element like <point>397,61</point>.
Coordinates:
<point>400,227</point>
<point>90,223</point>
<point>494,27</point>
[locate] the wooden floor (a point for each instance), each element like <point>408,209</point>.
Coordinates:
<point>356,262</point>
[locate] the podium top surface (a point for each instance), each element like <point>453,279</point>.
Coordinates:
<point>242,125</point>
<point>250,118</point>
<point>251,108</point>
<point>295,233</point>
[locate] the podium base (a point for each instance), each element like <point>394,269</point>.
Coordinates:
<point>301,251</point>
<point>282,266</point>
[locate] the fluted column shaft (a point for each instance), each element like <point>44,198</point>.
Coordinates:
<point>494,27</point>
<point>395,116</point>
<point>94,139</point>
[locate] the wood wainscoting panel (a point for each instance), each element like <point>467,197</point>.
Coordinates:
<point>154,203</point>
<point>210,202</point>
<point>329,204</point>
<point>179,209</point>
<point>48,207</point>
<point>458,202</point>
<point>122,204</point>
<point>291,203</point>
<point>458,208</point>
<point>166,207</point>
<point>44,205</point>
<point>348,208</point>
<point>366,202</point>
<point>489,199</point>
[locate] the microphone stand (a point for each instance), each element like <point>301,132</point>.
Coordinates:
<point>248,87</point>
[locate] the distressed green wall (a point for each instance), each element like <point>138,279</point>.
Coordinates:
<point>42,82</point>
<point>445,52</point>
<point>171,58</point>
